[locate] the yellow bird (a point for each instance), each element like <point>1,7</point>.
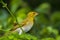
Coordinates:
<point>27,24</point>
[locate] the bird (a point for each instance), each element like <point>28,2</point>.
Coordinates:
<point>26,24</point>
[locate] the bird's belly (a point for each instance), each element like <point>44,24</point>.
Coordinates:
<point>25,28</point>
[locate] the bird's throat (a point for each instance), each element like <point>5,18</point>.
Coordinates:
<point>31,19</point>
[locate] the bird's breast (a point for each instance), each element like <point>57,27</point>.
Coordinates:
<point>27,27</point>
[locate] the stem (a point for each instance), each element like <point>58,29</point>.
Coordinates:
<point>11,13</point>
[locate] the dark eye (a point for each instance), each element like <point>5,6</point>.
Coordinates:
<point>34,13</point>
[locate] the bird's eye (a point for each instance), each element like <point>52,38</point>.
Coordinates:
<point>33,12</point>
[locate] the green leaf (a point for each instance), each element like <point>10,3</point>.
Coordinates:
<point>43,8</point>
<point>21,14</point>
<point>3,17</point>
<point>48,39</point>
<point>58,37</point>
<point>14,4</point>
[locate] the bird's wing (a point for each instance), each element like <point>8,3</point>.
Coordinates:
<point>17,26</point>
<point>24,22</point>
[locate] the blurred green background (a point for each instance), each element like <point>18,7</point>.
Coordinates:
<point>46,25</point>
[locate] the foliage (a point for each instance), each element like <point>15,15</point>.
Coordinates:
<point>15,36</point>
<point>46,25</point>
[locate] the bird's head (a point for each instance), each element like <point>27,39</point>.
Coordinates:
<point>32,14</point>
